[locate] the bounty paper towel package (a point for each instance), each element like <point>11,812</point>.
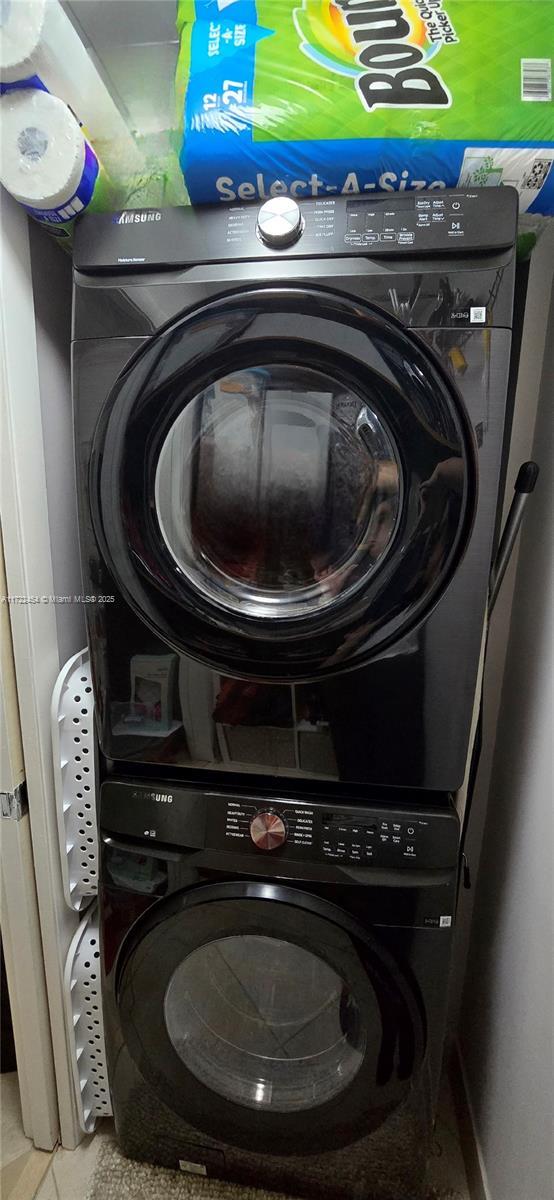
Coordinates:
<point>315,97</point>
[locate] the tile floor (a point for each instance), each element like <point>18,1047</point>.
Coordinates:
<point>29,1174</point>
<point>22,1168</point>
<point>70,1171</point>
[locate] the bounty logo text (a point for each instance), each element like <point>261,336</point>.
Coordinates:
<point>385,46</point>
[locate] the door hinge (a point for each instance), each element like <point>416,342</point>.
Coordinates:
<point>14,804</point>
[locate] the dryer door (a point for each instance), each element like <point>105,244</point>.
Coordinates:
<point>282,483</point>
<point>268,1018</point>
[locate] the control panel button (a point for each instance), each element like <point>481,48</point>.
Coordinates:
<point>268,831</point>
<point>279,222</point>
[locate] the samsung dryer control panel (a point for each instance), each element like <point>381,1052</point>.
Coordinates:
<point>307,831</point>
<point>411,223</point>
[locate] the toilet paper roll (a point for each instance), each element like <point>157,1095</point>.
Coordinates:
<point>39,47</point>
<point>46,162</point>
<point>30,48</point>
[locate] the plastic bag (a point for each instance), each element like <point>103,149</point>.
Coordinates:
<point>313,97</point>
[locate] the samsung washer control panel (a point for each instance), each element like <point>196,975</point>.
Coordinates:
<point>409,223</point>
<point>316,832</point>
<point>311,831</point>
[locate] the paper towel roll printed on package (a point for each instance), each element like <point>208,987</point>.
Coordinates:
<point>46,162</point>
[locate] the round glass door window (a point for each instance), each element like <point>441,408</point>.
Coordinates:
<point>277,491</point>
<point>235,1005</point>
<point>282,482</point>
<point>265,1023</point>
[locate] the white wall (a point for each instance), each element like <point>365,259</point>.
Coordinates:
<point>521,448</point>
<point>506,1025</point>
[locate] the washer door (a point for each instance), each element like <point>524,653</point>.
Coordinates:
<point>267,1018</point>
<point>282,482</point>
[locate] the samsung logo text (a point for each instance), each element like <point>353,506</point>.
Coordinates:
<point>135,218</point>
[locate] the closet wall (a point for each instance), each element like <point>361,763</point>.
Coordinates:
<point>506,1014</point>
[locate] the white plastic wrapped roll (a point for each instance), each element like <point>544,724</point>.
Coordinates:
<point>46,162</point>
<point>39,47</point>
<point>24,43</point>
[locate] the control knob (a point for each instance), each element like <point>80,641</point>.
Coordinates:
<point>268,831</point>
<point>279,221</point>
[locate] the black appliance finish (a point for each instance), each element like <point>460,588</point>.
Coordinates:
<point>288,460</point>
<point>275,977</point>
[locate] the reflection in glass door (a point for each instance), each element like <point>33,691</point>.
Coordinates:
<point>280,727</point>
<point>277,491</point>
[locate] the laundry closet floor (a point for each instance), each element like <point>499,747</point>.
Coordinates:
<point>29,1174</point>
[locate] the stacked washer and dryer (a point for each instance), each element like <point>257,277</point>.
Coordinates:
<point>289,428</point>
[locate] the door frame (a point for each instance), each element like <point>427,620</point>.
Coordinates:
<point>36,658</point>
<point>19,914</point>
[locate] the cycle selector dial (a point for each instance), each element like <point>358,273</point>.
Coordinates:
<point>279,222</point>
<point>268,831</point>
